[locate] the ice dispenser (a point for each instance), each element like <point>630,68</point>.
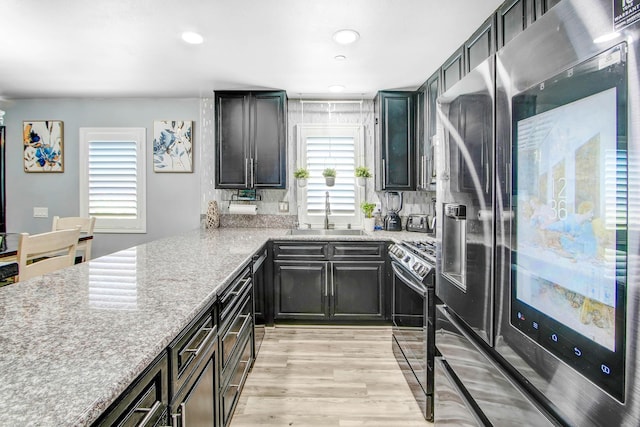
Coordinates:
<point>454,244</point>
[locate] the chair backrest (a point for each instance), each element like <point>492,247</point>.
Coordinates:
<point>42,253</point>
<point>86,225</point>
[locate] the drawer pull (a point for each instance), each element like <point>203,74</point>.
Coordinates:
<point>246,318</point>
<point>150,412</point>
<point>203,344</point>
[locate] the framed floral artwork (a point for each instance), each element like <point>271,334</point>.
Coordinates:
<point>173,146</point>
<point>43,146</point>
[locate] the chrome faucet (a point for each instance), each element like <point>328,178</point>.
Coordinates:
<point>327,210</point>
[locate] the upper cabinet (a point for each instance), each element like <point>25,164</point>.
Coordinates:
<point>421,136</point>
<point>453,70</point>
<point>481,45</point>
<point>434,89</point>
<point>513,17</point>
<point>395,140</point>
<point>250,139</point>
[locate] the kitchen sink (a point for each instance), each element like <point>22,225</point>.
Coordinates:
<point>323,232</point>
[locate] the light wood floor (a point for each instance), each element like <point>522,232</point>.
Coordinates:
<point>326,377</point>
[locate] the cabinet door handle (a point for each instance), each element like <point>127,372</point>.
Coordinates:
<point>384,174</point>
<point>246,172</point>
<point>251,170</point>
<point>150,412</point>
<point>332,285</point>
<point>203,344</point>
<point>326,284</point>
<point>423,183</point>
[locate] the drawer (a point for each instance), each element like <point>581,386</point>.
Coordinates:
<point>235,331</point>
<point>230,297</point>
<point>300,250</point>
<point>357,251</point>
<point>145,403</point>
<point>189,348</point>
<point>231,391</point>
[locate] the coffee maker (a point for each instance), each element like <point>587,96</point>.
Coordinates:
<point>392,221</point>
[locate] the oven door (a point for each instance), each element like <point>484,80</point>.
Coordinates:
<point>409,317</point>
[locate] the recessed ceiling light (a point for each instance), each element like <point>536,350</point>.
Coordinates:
<point>346,36</point>
<point>192,38</point>
<point>336,88</point>
<point>606,37</point>
<point>339,57</point>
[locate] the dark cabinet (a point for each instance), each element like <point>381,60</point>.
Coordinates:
<point>196,404</point>
<point>542,6</point>
<point>395,141</point>
<point>433,91</point>
<point>422,151</point>
<point>453,69</point>
<point>357,290</point>
<point>144,404</point>
<point>260,303</point>
<point>193,357</point>
<point>250,139</point>
<point>513,17</point>
<point>348,286</point>
<point>300,290</point>
<point>481,45</point>
<point>235,341</point>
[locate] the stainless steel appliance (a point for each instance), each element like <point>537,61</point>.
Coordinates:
<point>392,221</point>
<point>544,313</point>
<point>413,305</point>
<point>421,223</point>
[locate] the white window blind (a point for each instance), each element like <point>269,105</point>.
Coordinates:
<point>330,146</point>
<point>112,185</point>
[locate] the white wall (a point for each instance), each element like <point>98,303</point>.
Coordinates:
<point>173,199</point>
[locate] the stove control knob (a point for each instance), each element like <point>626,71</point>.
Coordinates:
<point>421,269</point>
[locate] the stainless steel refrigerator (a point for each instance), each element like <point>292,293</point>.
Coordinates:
<point>538,249</point>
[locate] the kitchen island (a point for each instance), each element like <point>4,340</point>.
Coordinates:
<point>71,345</point>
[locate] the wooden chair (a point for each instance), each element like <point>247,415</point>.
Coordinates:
<point>86,225</point>
<point>46,252</point>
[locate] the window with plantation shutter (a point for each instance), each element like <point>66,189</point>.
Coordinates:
<point>329,146</point>
<point>112,178</point>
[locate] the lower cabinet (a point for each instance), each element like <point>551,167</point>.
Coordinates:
<point>196,405</point>
<point>348,286</point>
<point>236,340</point>
<point>301,290</point>
<point>194,373</point>
<point>144,404</point>
<point>357,290</point>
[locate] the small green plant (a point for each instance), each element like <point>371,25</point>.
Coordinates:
<point>363,172</point>
<point>301,173</point>
<point>329,172</point>
<point>367,208</point>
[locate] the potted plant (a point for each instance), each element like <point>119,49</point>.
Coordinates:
<point>369,221</point>
<point>301,175</point>
<point>329,176</point>
<point>362,173</point>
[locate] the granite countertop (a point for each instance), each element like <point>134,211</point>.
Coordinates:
<point>73,340</point>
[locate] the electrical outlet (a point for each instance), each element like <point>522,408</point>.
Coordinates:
<point>40,212</point>
<point>378,208</point>
<point>283,206</point>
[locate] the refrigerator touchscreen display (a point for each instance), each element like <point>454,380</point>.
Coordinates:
<point>570,191</point>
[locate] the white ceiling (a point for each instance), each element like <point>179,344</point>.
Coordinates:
<point>132,48</point>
